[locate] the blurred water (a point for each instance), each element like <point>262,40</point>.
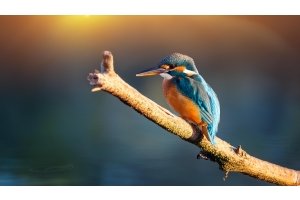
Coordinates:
<point>54,131</point>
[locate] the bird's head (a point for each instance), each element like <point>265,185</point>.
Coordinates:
<point>173,65</point>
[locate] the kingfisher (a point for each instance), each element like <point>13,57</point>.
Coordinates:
<point>188,93</point>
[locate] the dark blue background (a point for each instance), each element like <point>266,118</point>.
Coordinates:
<point>54,131</point>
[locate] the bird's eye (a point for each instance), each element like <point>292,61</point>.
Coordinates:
<point>172,66</point>
<point>165,66</point>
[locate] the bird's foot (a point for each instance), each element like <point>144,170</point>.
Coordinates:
<point>196,135</point>
<point>202,125</point>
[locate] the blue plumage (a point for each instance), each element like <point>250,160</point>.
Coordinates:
<point>180,71</point>
<point>196,88</point>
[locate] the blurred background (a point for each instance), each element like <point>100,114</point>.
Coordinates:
<point>54,131</point>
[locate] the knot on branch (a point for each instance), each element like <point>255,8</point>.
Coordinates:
<point>95,80</point>
<point>206,156</point>
<point>107,68</point>
<point>240,151</point>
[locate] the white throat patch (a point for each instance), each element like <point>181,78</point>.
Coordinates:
<point>189,72</point>
<point>166,76</point>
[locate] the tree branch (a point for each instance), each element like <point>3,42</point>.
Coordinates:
<point>230,159</point>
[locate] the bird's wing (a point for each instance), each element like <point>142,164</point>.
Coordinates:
<point>204,103</point>
<point>196,91</point>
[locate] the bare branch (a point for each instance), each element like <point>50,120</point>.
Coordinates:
<point>230,159</point>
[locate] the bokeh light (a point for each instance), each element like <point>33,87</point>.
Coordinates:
<point>54,131</point>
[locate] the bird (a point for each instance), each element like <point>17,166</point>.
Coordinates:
<point>188,93</point>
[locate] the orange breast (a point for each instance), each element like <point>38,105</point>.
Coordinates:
<point>186,108</point>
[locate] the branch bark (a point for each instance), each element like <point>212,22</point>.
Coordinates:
<point>229,158</point>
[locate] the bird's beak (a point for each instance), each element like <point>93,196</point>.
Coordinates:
<point>152,72</point>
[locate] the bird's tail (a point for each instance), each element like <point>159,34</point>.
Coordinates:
<point>210,134</point>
